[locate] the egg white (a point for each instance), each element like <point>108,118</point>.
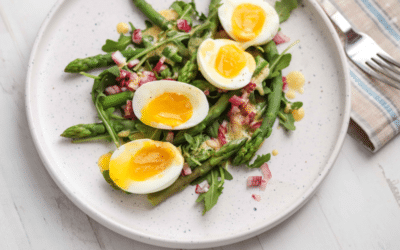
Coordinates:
<point>154,183</point>
<point>269,29</point>
<point>149,91</point>
<point>206,58</point>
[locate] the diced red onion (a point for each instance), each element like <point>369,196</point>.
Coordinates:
<point>203,189</point>
<point>266,172</point>
<point>186,170</point>
<point>267,176</point>
<point>222,130</point>
<point>207,92</point>
<point>183,25</point>
<point>170,137</point>
<point>245,96</point>
<point>250,87</point>
<point>118,58</point>
<point>263,185</point>
<point>254,181</point>
<point>133,82</point>
<point>255,125</point>
<point>133,63</point>
<point>148,76</point>
<point>236,100</point>
<point>284,87</point>
<point>128,111</point>
<point>256,197</point>
<point>280,38</point>
<point>112,90</point>
<point>250,118</point>
<point>246,108</point>
<point>137,36</point>
<point>122,75</point>
<point>160,64</point>
<point>223,127</point>
<point>234,110</point>
<point>163,67</point>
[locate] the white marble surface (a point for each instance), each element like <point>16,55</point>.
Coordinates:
<point>356,207</point>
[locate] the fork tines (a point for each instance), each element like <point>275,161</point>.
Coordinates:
<point>387,69</point>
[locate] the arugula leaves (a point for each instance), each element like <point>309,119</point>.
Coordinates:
<point>261,159</point>
<point>101,82</point>
<point>120,45</point>
<point>284,8</point>
<point>216,179</point>
<point>185,10</point>
<point>296,105</point>
<point>193,153</point>
<point>286,120</point>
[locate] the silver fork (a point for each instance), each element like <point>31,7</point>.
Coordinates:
<point>364,51</point>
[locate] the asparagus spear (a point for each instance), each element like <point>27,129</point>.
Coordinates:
<point>116,100</point>
<point>190,69</point>
<point>215,112</point>
<point>182,182</point>
<point>152,14</point>
<point>95,129</point>
<point>274,100</point>
<point>101,60</point>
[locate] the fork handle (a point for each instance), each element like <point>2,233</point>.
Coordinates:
<point>338,19</point>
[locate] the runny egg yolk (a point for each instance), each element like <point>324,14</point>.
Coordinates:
<point>247,21</point>
<point>169,108</point>
<point>147,162</point>
<point>230,60</point>
<point>150,161</point>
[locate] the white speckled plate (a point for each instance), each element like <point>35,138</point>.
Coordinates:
<point>56,100</point>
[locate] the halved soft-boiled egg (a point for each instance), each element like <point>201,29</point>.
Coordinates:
<point>250,22</point>
<point>225,64</point>
<point>170,105</point>
<point>145,166</point>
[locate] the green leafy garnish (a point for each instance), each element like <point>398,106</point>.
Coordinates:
<point>114,70</point>
<point>287,121</point>
<point>283,62</point>
<point>185,10</point>
<point>296,105</point>
<point>210,198</point>
<point>284,7</point>
<point>261,159</point>
<point>120,45</point>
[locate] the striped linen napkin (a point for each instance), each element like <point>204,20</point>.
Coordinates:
<point>375,111</point>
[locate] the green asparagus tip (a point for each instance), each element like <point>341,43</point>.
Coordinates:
<point>76,131</point>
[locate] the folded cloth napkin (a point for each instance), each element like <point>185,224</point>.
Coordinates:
<point>375,111</point>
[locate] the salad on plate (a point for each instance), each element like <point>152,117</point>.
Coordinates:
<point>191,95</point>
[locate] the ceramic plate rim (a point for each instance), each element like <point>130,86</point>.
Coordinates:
<point>149,239</point>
